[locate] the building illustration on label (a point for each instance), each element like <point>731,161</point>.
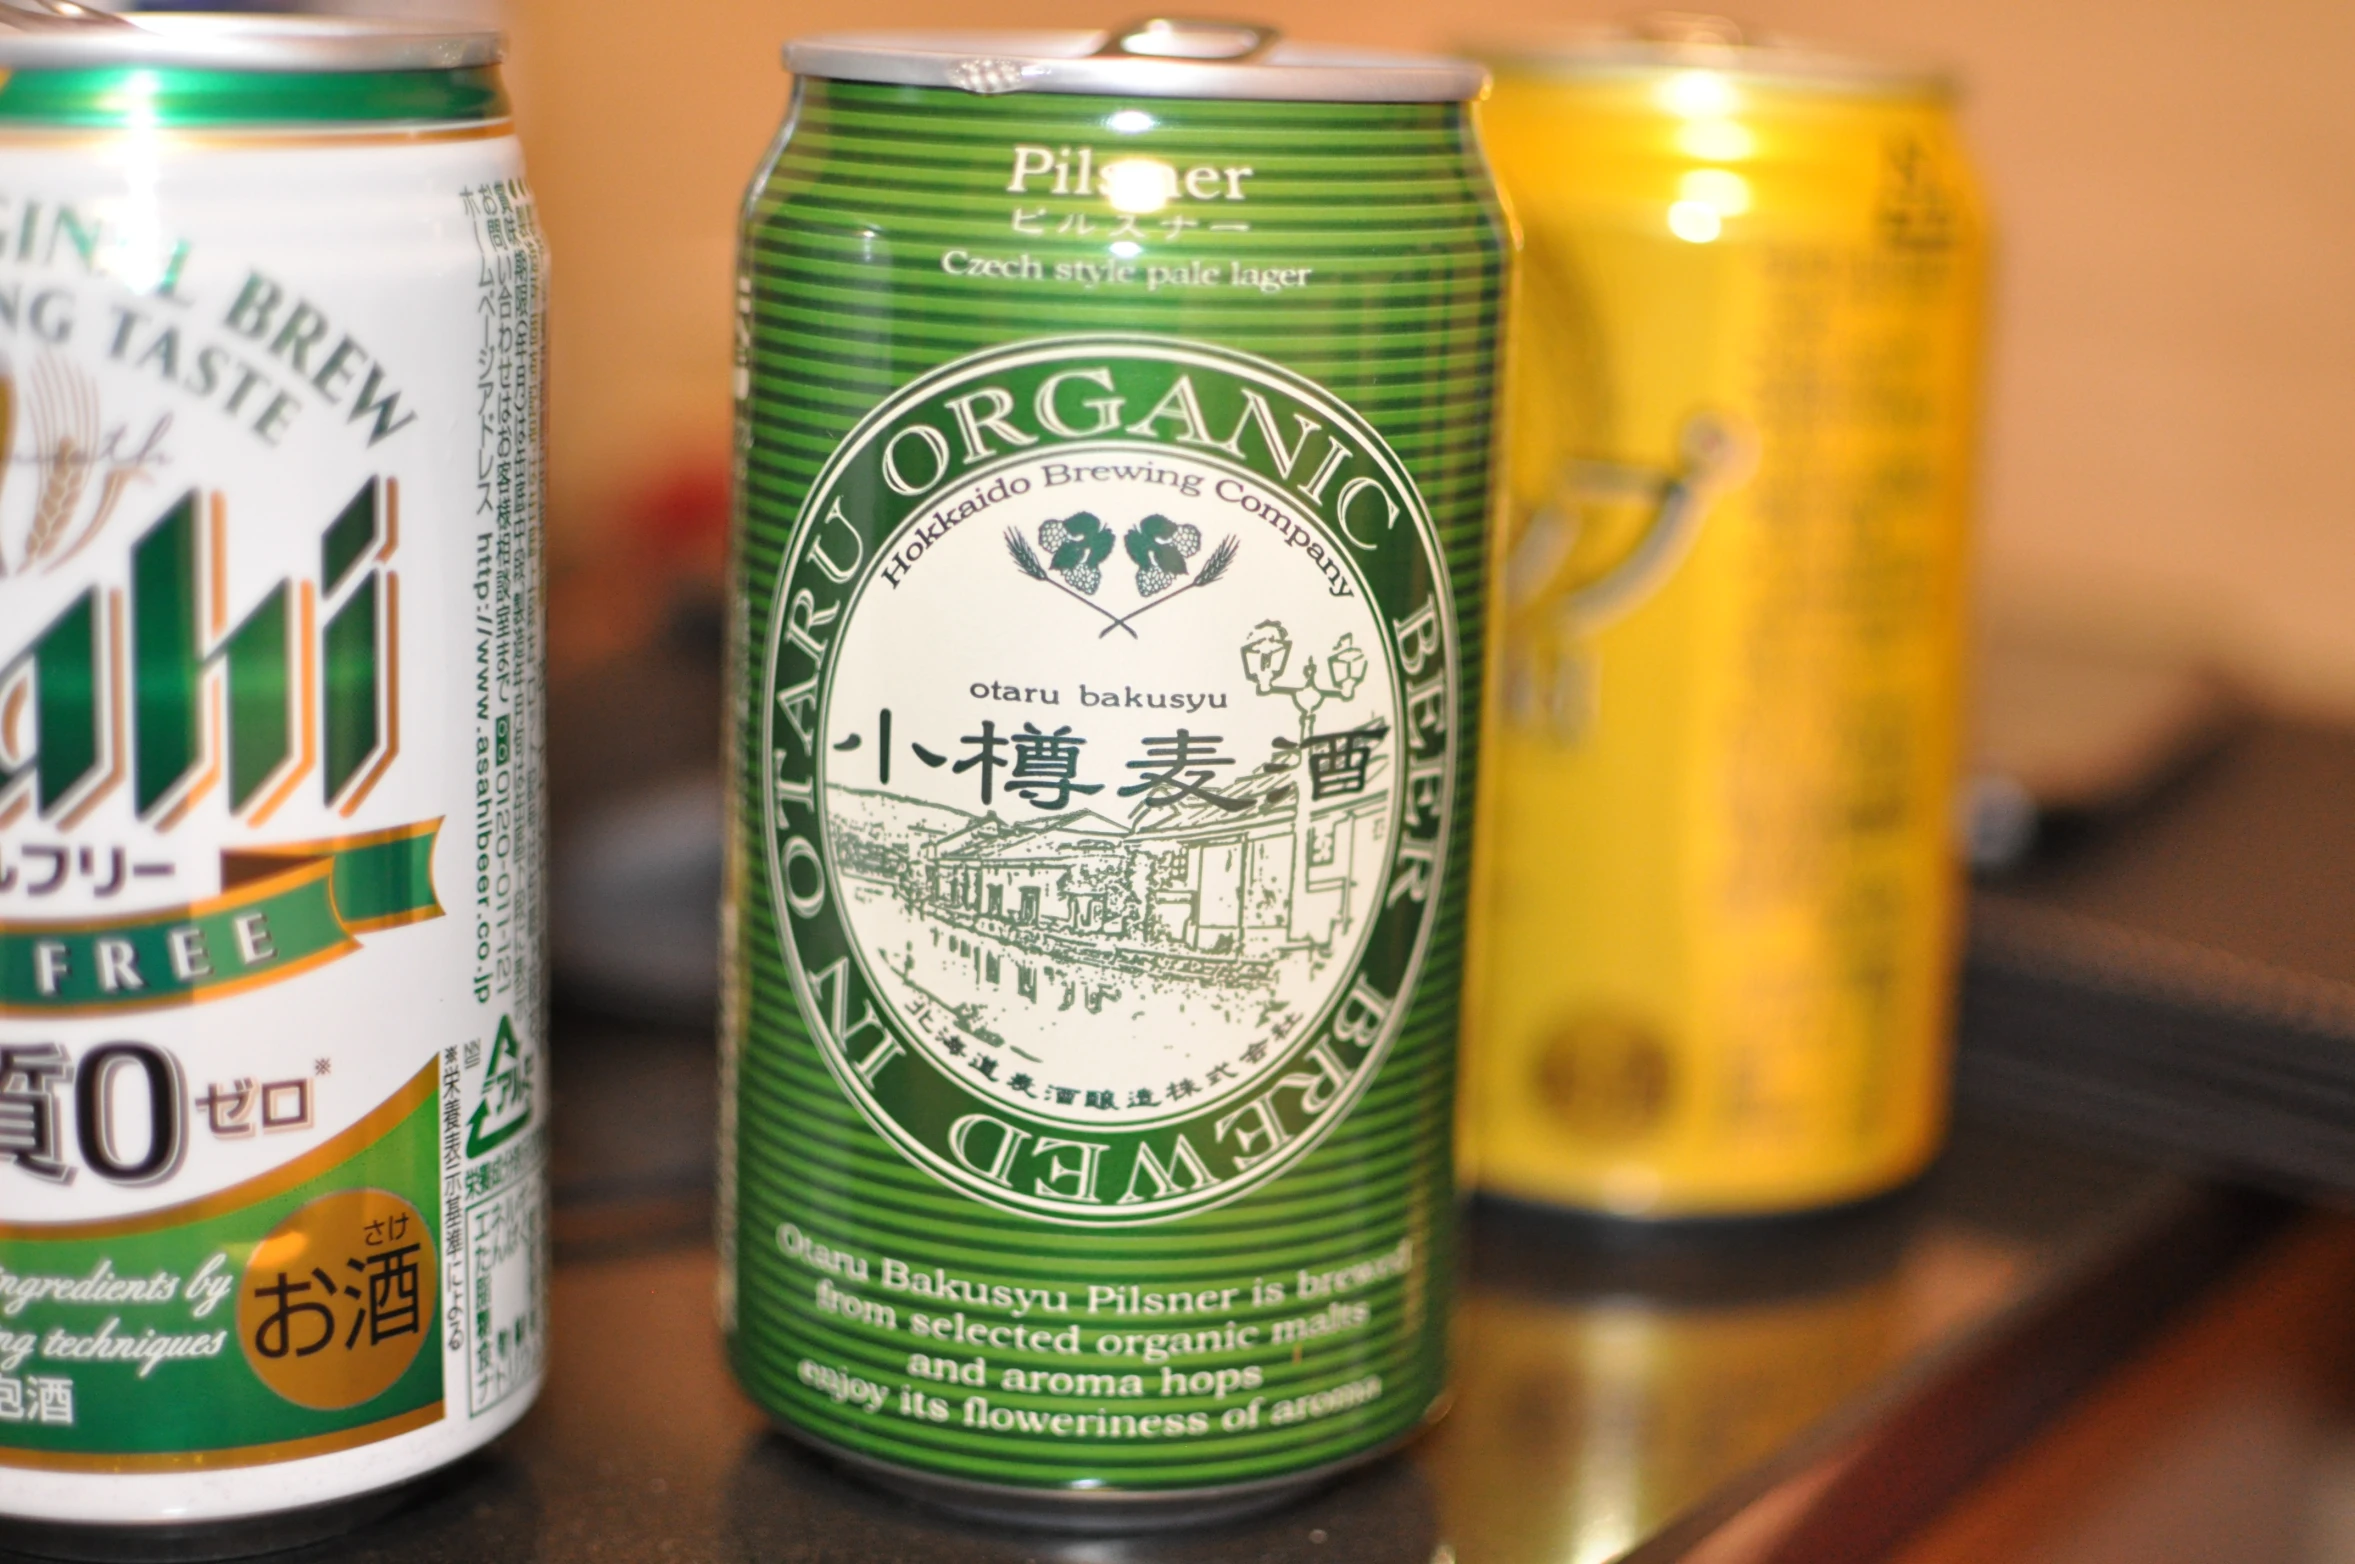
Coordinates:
<point>1216,899</point>
<point>1105,915</point>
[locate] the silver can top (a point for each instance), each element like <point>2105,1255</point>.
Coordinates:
<point>1692,40</point>
<point>1161,57</point>
<point>36,36</point>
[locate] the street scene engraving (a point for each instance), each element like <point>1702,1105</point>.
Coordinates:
<point>1108,882</point>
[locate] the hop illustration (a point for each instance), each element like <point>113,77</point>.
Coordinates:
<point>1077,547</point>
<point>1160,548</point>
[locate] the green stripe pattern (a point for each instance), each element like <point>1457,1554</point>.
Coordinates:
<point>1392,208</point>
<point>134,97</point>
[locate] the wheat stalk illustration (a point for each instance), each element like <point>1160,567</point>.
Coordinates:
<point>1221,559</point>
<point>1027,561</point>
<point>121,471</point>
<point>1025,558</point>
<point>65,442</point>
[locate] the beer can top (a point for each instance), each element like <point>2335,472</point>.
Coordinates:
<point>71,37</point>
<point>1161,57</point>
<point>1671,41</point>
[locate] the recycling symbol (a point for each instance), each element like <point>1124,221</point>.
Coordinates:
<point>506,1105</point>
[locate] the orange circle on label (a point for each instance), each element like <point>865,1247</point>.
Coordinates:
<point>1609,1078</point>
<point>338,1300</point>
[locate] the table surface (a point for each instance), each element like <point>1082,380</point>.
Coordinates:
<point>1800,1390</point>
<point>1791,1392</point>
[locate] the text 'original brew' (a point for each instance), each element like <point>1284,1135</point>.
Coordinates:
<point>1116,435</point>
<point>1719,918</point>
<point>272,1110</point>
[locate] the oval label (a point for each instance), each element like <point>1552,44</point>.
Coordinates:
<point>1109,725</point>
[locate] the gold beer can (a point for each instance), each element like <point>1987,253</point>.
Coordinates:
<point>1721,888</point>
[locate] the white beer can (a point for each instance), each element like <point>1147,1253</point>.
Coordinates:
<point>273,1025</point>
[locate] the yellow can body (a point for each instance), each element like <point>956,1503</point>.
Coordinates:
<point>1720,896</point>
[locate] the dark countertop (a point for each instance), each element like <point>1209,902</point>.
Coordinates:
<point>1619,1395</point>
<point>1793,1392</point>
<point>1800,1391</point>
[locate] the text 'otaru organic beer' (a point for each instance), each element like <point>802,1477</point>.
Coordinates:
<point>272,1111</point>
<point>1116,438</point>
<point>1717,925</point>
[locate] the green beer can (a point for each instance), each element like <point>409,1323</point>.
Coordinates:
<point>1115,426</point>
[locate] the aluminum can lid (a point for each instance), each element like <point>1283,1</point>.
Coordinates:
<point>1161,57</point>
<point>248,41</point>
<point>1662,41</point>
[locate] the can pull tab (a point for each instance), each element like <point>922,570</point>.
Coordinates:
<point>1187,38</point>
<point>49,16</point>
<point>1699,28</point>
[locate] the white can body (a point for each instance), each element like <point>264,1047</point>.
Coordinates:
<point>273,1103</point>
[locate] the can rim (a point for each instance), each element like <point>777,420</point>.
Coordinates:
<point>1785,62</point>
<point>254,41</point>
<point>987,63</point>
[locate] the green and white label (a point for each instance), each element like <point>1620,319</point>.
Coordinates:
<point>1103,725</point>
<point>1110,765</point>
<point>271,1011</point>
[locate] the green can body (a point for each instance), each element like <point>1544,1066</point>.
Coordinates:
<point>1113,501</point>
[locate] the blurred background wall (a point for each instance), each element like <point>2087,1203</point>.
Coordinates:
<point>2172,399</point>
